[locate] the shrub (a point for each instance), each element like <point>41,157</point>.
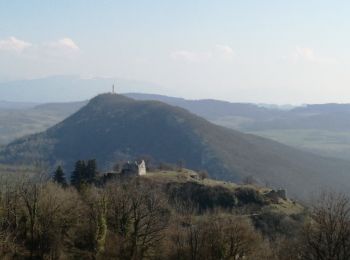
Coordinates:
<point>249,196</point>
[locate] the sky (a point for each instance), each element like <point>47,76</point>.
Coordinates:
<point>271,51</point>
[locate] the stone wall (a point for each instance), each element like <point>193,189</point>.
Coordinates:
<point>142,168</point>
<point>275,195</point>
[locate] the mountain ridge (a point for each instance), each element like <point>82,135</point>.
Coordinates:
<point>113,127</point>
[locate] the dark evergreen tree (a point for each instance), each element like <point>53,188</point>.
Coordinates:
<point>90,171</point>
<point>77,177</point>
<point>59,177</point>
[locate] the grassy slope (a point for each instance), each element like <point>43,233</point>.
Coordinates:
<point>287,207</point>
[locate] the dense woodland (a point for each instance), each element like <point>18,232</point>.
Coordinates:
<point>96,217</point>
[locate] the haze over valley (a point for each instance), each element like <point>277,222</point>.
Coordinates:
<point>319,128</point>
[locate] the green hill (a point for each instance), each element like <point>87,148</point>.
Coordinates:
<point>113,127</point>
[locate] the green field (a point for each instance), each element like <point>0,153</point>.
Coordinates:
<point>328,143</point>
<point>16,124</point>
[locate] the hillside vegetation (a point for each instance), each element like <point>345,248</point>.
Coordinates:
<point>113,127</point>
<point>142,218</point>
<point>167,214</point>
<point>248,198</point>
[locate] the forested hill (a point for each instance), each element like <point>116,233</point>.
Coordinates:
<point>114,127</point>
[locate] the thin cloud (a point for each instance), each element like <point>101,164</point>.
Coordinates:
<point>60,49</point>
<point>308,55</point>
<point>190,56</point>
<point>14,44</point>
<point>64,43</point>
<point>305,54</point>
<point>224,52</point>
<point>219,52</point>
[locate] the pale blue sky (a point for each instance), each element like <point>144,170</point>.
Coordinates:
<point>248,51</point>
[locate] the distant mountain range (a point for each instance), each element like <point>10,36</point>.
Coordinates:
<point>250,117</point>
<point>212,109</point>
<point>323,129</point>
<point>113,127</point>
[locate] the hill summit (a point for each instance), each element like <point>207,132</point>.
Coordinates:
<point>113,127</point>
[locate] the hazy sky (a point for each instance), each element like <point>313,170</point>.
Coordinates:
<point>282,51</point>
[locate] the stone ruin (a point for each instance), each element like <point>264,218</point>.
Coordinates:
<point>134,168</point>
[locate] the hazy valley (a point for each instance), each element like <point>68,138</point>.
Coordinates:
<point>322,129</point>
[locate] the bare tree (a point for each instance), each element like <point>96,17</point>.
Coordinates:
<point>57,214</point>
<point>94,220</point>
<point>29,193</point>
<point>10,220</point>
<point>216,236</point>
<point>327,235</point>
<point>139,216</point>
<point>231,237</point>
